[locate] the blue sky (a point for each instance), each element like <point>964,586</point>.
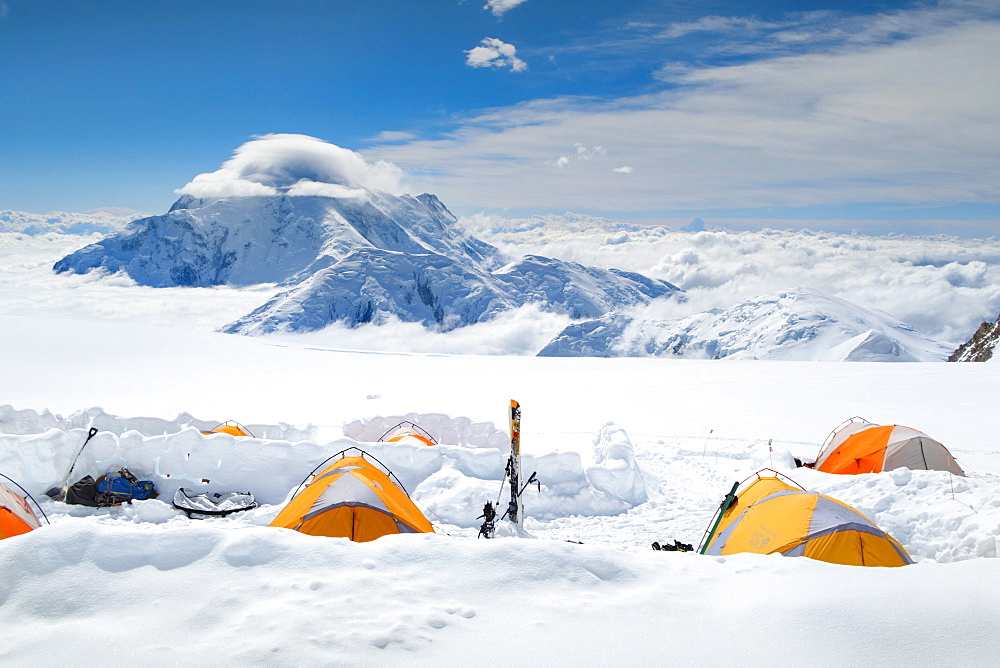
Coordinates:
<point>644,110</point>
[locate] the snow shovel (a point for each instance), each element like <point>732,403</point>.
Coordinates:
<point>58,493</point>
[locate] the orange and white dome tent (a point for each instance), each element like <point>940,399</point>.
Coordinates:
<point>352,498</point>
<point>230,427</point>
<point>16,516</point>
<point>858,446</point>
<point>769,516</point>
<point>407,432</point>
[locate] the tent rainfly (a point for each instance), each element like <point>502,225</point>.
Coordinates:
<point>230,427</point>
<point>16,516</point>
<point>858,446</point>
<point>769,517</point>
<point>407,431</point>
<point>352,498</point>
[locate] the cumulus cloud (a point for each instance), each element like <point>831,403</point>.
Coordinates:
<point>625,169</point>
<point>943,287</point>
<point>294,164</point>
<point>499,7</point>
<point>493,52</point>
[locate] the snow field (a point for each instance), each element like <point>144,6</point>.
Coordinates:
<point>147,583</point>
<point>286,599</point>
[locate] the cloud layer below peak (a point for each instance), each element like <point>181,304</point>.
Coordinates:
<point>295,165</point>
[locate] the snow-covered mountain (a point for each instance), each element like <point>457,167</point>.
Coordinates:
<point>982,346</point>
<point>272,239</point>
<point>356,259</point>
<point>803,324</point>
<point>317,218</point>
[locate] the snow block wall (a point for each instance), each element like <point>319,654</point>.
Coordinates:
<point>451,483</point>
<point>29,421</point>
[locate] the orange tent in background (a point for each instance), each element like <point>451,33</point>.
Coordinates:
<point>858,446</point>
<point>770,517</point>
<point>352,498</point>
<point>16,516</point>
<point>407,430</point>
<point>230,427</point>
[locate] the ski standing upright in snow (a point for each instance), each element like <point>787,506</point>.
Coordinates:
<point>514,510</point>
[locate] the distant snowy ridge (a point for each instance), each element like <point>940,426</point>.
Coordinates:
<point>373,285</point>
<point>98,221</point>
<point>982,346</point>
<point>803,324</point>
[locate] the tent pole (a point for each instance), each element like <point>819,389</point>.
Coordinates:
<point>726,502</point>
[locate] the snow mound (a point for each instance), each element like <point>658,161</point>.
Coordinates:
<point>615,471</point>
<point>803,324</point>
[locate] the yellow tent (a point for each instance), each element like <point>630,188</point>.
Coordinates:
<point>352,498</point>
<point>770,516</point>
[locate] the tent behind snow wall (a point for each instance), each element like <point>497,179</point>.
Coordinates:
<point>407,432</point>
<point>770,516</point>
<point>858,446</point>
<point>352,498</point>
<point>16,516</point>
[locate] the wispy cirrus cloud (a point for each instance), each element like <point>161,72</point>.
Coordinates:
<point>903,113</point>
<point>493,52</point>
<point>725,24</point>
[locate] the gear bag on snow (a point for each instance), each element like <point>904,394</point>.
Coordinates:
<point>215,504</point>
<point>111,489</point>
<point>83,492</point>
<point>117,487</point>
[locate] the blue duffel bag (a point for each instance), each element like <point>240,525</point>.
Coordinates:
<point>117,487</point>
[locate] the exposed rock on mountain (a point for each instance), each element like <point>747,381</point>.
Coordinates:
<point>981,346</point>
<point>796,325</point>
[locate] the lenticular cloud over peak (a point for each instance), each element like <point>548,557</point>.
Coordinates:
<point>293,164</point>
